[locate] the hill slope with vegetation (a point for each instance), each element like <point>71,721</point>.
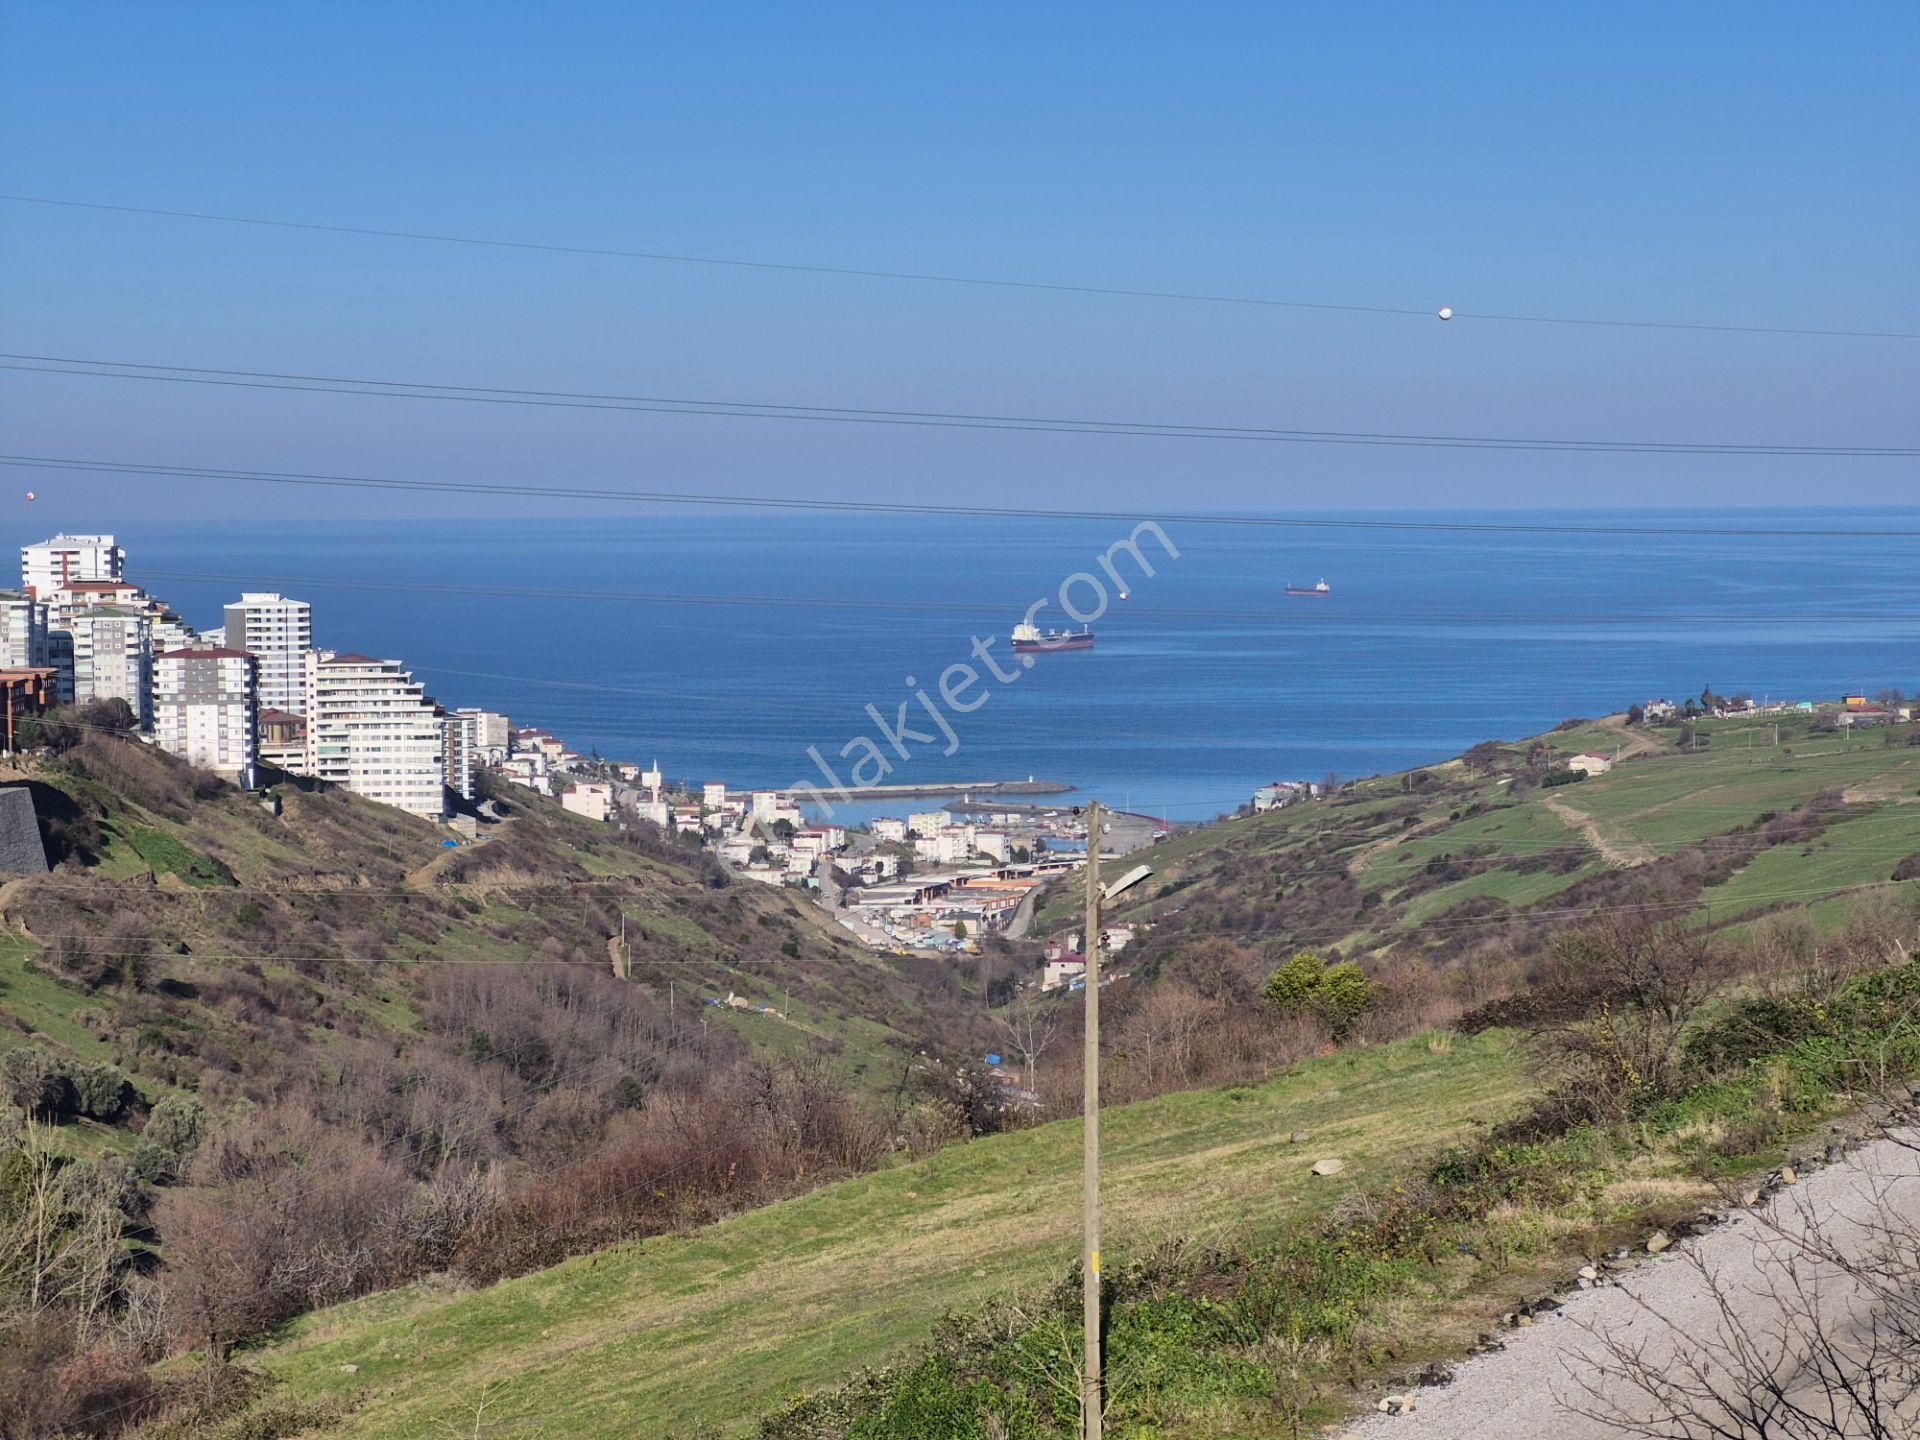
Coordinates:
<point>260,1053</point>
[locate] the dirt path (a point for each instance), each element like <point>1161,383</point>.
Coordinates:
<point>1551,1373</point>
<point>1622,856</point>
<point>1631,743</point>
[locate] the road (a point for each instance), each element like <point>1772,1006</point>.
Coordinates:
<point>1538,1385</point>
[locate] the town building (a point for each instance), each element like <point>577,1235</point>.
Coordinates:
<point>460,750</point>
<point>283,740</point>
<point>277,632</point>
<point>1590,763</point>
<point>492,734</point>
<point>656,812</point>
<point>371,730</point>
<point>593,800</point>
<point>23,630</point>
<point>713,795</point>
<point>888,830</point>
<point>929,822</point>
<point>113,658</point>
<point>205,710</point>
<point>54,564</point>
<point>1282,793</point>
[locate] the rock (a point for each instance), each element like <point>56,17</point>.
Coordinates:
<point>1437,1373</point>
<point>1546,1304</point>
<point>1589,1272</point>
<point>1329,1166</point>
<point>1617,1255</point>
<point>1658,1241</point>
<point>1585,1283</point>
<point>1385,1407</point>
<point>1298,1137</point>
<point>349,1369</point>
<point>1788,1175</point>
<point>1521,1322</point>
<point>1750,1198</point>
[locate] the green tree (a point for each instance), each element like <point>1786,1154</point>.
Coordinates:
<point>1336,995</point>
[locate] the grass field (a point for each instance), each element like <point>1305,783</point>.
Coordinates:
<point>723,1323</point>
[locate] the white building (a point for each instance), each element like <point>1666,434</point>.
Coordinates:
<point>929,822</point>
<point>1590,763</point>
<point>657,812</point>
<point>205,710</point>
<point>591,800</point>
<point>713,794</point>
<point>23,630</point>
<point>371,730</point>
<point>113,658</point>
<point>492,734</point>
<point>460,750</point>
<point>764,804</point>
<point>994,844</point>
<point>887,829</point>
<point>278,632</point>
<point>54,564</point>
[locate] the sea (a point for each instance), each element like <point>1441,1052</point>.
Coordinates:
<point>748,646</point>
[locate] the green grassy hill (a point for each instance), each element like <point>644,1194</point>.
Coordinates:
<point>724,1323</point>
<point>1734,829</point>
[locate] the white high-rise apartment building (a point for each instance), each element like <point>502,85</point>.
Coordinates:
<point>205,710</point>
<point>113,658</point>
<point>23,630</point>
<point>460,746</point>
<point>371,730</point>
<point>493,734</point>
<point>54,564</point>
<point>277,632</point>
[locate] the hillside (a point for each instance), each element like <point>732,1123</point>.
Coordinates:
<point>1475,854</point>
<point>722,1324</point>
<point>261,1053</point>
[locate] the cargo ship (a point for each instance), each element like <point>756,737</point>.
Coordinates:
<point>1028,640</point>
<point>1322,589</point>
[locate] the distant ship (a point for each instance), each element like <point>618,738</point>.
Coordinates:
<point>1322,589</point>
<point>1027,639</point>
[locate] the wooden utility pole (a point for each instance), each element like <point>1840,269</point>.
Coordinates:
<point>1090,1390</point>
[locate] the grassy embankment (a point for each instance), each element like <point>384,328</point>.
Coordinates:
<point>729,1321</point>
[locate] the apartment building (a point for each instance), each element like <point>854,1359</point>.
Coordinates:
<point>54,564</point>
<point>372,730</point>
<point>278,632</point>
<point>460,749</point>
<point>283,740</point>
<point>206,710</point>
<point>23,630</point>
<point>113,657</point>
<point>493,734</point>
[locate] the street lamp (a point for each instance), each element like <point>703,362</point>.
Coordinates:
<point>1090,1387</point>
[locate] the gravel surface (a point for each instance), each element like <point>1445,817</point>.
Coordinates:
<point>1663,1306</point>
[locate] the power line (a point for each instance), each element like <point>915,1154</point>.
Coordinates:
<point>937,278</point>
<point>165,470</point>
<point>860,415</point>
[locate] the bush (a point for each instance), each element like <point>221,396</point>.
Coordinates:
<point>1336,995</point>
<point>38,1081</point>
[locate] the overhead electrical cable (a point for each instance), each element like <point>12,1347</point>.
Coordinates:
<point>367,388</point>
<point>166,470</point>
<point>928,277</point>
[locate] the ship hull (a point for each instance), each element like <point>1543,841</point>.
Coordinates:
<point>1047,647</point>
<point>1309,594</point>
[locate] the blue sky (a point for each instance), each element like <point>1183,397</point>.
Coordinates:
<point>1749,164</point>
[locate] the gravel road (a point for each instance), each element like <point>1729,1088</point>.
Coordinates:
<point>1534,1387</point>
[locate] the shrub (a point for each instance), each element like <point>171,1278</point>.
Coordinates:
<point>1337,995</point>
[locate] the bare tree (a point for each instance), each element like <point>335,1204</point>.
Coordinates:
<point>1029,1027</point>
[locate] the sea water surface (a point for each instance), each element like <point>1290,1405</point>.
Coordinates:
<point>676,638</point>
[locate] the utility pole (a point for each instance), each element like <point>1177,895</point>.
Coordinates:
<point>1090,1392</point>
